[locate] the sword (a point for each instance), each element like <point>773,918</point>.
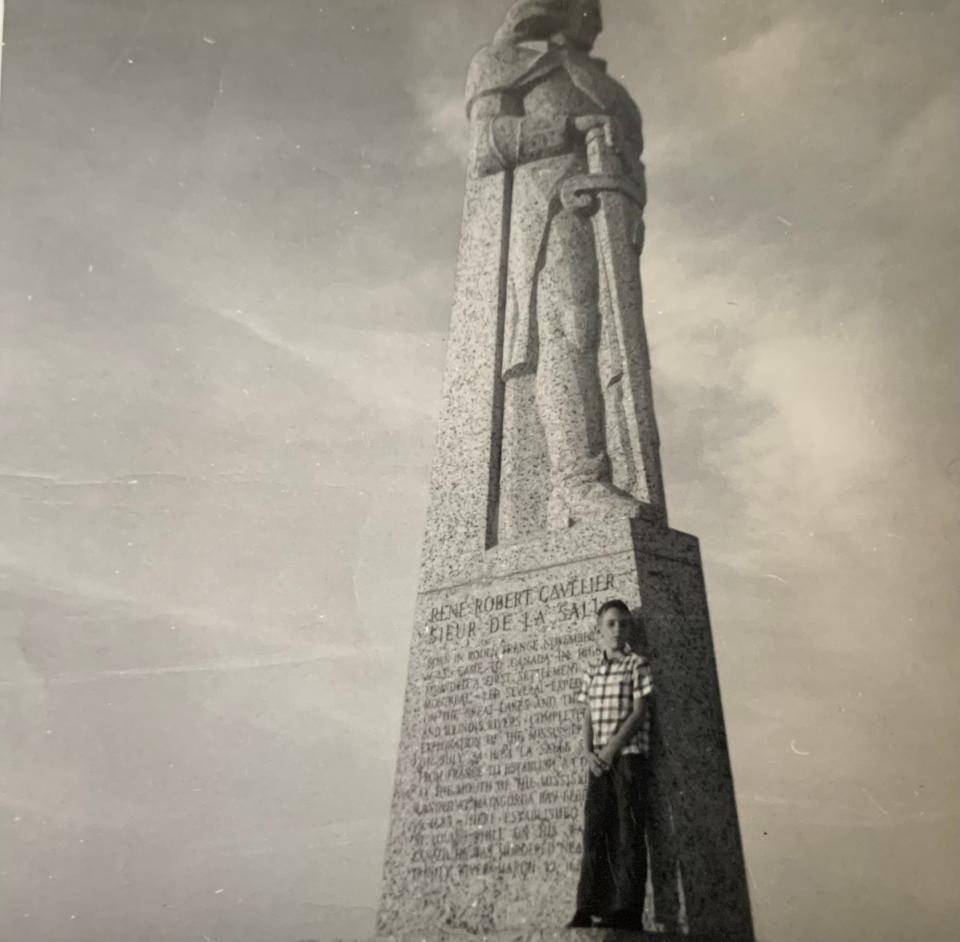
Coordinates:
<point>605,193</point>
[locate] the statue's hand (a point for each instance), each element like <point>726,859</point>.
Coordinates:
<point>612,131</point>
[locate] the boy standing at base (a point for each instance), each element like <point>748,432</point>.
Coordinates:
<point>616,739</point>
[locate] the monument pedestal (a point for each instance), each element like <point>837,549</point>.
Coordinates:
<point>548,419</point>
<point>531,934</point>
<point>487,810</point>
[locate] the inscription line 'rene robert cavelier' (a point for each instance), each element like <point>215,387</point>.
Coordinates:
<point>498,674</point>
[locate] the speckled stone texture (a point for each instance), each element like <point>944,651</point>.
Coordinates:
<point>531,934</point>
<point>487,810</point>
<point>547,500</point>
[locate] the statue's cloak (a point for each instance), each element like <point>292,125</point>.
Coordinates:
<point>498,73</point>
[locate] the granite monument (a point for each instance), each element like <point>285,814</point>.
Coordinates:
<point>547,499</point>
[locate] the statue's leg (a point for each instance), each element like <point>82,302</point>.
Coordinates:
<point>568,394</point>
<point>569,398</point>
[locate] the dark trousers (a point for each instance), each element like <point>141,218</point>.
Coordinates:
<point>613,874</point>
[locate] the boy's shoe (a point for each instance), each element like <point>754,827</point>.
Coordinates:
<point>623,919</point>
<point>581,920</point>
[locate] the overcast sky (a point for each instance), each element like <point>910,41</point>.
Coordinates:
<point>226,257</point>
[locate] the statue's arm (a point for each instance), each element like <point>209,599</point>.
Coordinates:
<point>502,138</point>
<point>632,157</point>
<point>633,150</point>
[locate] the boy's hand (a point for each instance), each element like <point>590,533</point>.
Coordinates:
<point>597,766</point>
<point>607,756</point>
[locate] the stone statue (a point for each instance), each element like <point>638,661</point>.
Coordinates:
<point>546,500</point>
<point>545,113</point>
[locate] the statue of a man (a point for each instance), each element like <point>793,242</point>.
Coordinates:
<point>533,97</point>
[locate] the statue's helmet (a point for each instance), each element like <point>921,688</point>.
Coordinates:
<point>531,20</point>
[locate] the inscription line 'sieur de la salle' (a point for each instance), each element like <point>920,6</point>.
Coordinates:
<point>504,611</point>
<point>547,501</point>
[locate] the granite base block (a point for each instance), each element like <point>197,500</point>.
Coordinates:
<point>485,834</point>
<point>548,935</point>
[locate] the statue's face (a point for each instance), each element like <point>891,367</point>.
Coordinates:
<point>585,23</point>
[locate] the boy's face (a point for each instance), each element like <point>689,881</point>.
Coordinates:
<point>614,628</point>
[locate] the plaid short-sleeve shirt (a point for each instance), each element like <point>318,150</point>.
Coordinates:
<point>612,688</point>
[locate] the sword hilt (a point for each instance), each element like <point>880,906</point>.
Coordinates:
<point>601,157</point>
<point>581,192</point>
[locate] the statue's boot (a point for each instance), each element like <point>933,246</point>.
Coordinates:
<point>581,498</point>
<point>570,406</point>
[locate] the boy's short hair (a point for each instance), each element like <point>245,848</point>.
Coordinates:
<point>618,604</point>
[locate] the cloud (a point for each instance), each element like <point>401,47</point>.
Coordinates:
<point>912,171</point>
<point>394,372</point>
<point>769,66</point>
<point>443,135</point>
